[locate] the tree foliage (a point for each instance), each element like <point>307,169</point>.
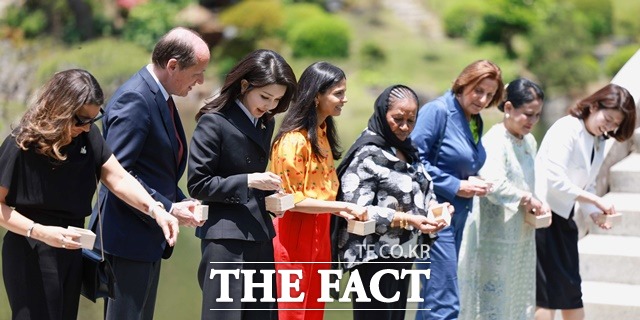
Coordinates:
<point>146,23</point>
<point>560,50</point>
<point>504,19</point>
<point>254,19</point>
<point>321,37</point>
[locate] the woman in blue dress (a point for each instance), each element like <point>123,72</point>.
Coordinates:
<point>447,135</point>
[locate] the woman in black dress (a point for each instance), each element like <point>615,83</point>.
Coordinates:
<point>50,165</point>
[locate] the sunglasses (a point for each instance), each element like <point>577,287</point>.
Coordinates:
<point>81,121</point>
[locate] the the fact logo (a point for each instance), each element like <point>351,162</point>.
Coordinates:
<point>330,280</point>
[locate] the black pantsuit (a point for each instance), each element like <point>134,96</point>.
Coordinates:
<point>42,282</point>
<point>236,254</point>
<point>225,148</point>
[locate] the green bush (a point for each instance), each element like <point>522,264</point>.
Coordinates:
<point>148,22</point>
<point>626,22</point>
<point>111,61</point>
<point>372,54</point>
<point>32,23</point>
<point>254,19</point>
<point>297,13</point>
<point>464,19</point>
<point>598,14</point>
<point>321,37</point>
<point>617,60</point>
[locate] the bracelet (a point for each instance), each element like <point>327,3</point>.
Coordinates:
<point>152,206</point>
<point>393,224</point>
<point>30,230</point>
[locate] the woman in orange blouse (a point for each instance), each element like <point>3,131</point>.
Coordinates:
<point>303,153</point>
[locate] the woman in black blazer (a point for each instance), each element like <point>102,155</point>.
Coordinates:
<point>229,152</point>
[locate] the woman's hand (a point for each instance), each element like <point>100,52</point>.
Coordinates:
<point>606,206</point>
<point>354,212</point>
<point>424,224</point>
<point>477,187</point>
<point>264,181</point>
<point>168,223</point>
<point>600,223</point>
<point>56,237</point>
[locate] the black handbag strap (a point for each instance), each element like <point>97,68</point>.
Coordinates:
<point>100,231</point>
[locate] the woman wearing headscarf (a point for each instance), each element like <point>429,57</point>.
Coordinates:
<point>382,172</point>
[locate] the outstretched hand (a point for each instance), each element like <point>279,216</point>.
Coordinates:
<point>168,223</point>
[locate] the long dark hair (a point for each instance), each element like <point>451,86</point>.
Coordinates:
<point>611,96</point>
<point>260,68</point>
<point>316,79</point>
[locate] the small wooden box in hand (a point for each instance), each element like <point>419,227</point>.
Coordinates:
<point>610,219</point>
<point>279,202</point>
<point>201,212</point>
<point>440,212</point>
<point>361,228</point>
<point>538,222</point>
<point>87,237</point>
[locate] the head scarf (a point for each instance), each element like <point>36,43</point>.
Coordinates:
<point>383,137</point>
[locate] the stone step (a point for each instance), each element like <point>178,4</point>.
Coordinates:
<point>610,259</point>
<point>629,205</point>
<point>604,300</point>
<point>624,176</point>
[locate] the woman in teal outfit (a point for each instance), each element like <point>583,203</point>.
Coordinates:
<point>498,257</point>
<point>447,136</point>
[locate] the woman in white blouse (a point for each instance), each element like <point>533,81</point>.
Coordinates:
<point>565,171</point>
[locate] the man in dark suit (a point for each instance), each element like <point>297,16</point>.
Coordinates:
<point>143,128</point>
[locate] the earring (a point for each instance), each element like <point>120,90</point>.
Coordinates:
<point>506,115</point>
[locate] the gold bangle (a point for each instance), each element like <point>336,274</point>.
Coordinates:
<point>393,223</point>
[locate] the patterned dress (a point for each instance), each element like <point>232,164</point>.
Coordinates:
<point>498,255</point>
<point>378,180</point>
<point>302,240</point>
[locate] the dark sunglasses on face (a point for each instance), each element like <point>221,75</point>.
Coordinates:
<point>81,121</point>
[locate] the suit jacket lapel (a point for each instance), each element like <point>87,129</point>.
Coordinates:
<point>163,109</point>
<point>460,122</point>
<point>240,120</point>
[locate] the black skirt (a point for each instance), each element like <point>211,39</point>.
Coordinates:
<point>558,282</point>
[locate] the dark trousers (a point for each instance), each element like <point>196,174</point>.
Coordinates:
<point>558,281</point>
<point>230,254</point>
<point>388,286</point>
<point>42,282</point>
<point>136,289</point>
